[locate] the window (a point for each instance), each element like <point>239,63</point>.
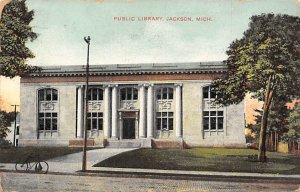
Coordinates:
<point>213,120</point>
<point>95,121</point>
<point>48,94</point>
<point>129,93</point>
<point>48,122</point>
<point>47,116</point>
<point>95,94</point>
<point>18,130</point>
<point>164,121</point>
<point>213,115</point>
<point>164,93</point>
<point>209,93</point>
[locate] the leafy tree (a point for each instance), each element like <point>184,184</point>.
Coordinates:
<point>294,123</point>
<point>265,61</point>
<point>9,116</point>
<point>278,116</point>
<point>3,126</point>
<point>15,31</point>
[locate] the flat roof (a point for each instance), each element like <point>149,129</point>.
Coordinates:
<point>129,69</point>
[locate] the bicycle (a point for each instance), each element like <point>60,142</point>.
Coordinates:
<point>30,163</point>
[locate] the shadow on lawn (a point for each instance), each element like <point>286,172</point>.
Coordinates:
<point>212,159</point>
<point>17,154</point>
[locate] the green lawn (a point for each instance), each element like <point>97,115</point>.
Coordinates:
<point>13,155</point>
<point>205,159</point>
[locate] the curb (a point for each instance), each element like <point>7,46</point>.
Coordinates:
<point>205,176</point>
<point>216,176</point>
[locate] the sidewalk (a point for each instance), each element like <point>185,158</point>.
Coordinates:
<point>193,174</point>
<point>71,164</point>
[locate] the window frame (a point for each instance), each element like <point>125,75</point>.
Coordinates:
<point>44,119</point>
<point>43,92</point>
<point>98,117</point>
<point>99,94</point>
<point>209,93</point>
<point>130,94</point>
<point>168,118</point>
<point>210,118</point>
<point>160,91</point>
<point>47,116</point>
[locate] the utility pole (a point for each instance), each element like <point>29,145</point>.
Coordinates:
<point>14,143</point>
<point>87,40</point>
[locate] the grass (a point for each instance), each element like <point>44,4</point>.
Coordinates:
<point>17,154</point>
<point>205,159</point>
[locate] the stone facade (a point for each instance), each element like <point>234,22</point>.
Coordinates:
<point>148,103</point>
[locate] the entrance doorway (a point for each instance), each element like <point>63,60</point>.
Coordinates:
<point>128,128</point>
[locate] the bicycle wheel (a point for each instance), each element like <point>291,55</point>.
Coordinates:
<point>21,166</point>
<point>41,167</point>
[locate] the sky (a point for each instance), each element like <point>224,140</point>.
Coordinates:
<point>62,24</point>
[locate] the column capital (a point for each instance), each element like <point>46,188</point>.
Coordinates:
<point>114,85</point>
<point>106,85</point>
<point>79,86</point>
<point>178,84</point>
<point>146,85</point>
<point>142,85</point>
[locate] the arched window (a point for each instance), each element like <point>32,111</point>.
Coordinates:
<point>95,94</point>
<point>213,116</point>
<point>47,116</point>
<point>164,93</point>
<point>209,93</point>
<point>129,93</point>
<point>48,94</point>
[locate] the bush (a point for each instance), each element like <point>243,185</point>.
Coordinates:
<point>4,143</point>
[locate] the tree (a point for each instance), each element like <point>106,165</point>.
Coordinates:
<point>15,31</point>
<point>265,62</point>
<point>294,119</point>
<point>277,124</point>
<point>4,123</point>
<point>278,116</point>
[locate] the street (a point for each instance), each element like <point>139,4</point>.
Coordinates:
<point>12,181</point>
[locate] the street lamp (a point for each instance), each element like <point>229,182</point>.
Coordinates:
<point>87,40</point>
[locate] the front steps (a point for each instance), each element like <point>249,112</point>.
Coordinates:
<point>89,143</point>
<point>128,143</point>
<point>159,144</point>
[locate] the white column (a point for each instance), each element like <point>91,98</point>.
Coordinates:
<point>150,112</point>
<point>79,112</point>
<point>114,114</point>
<point>142,119</point>
<point>106,115</point>
<point>178,112</point>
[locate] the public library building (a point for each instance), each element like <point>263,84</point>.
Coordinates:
<point>129,105</point>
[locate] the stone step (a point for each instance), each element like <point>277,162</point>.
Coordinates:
<point>135,143</point>
<point>157,144</point>
<point>90,143</point>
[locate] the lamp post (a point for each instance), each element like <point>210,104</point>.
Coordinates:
<point>87,40</point>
